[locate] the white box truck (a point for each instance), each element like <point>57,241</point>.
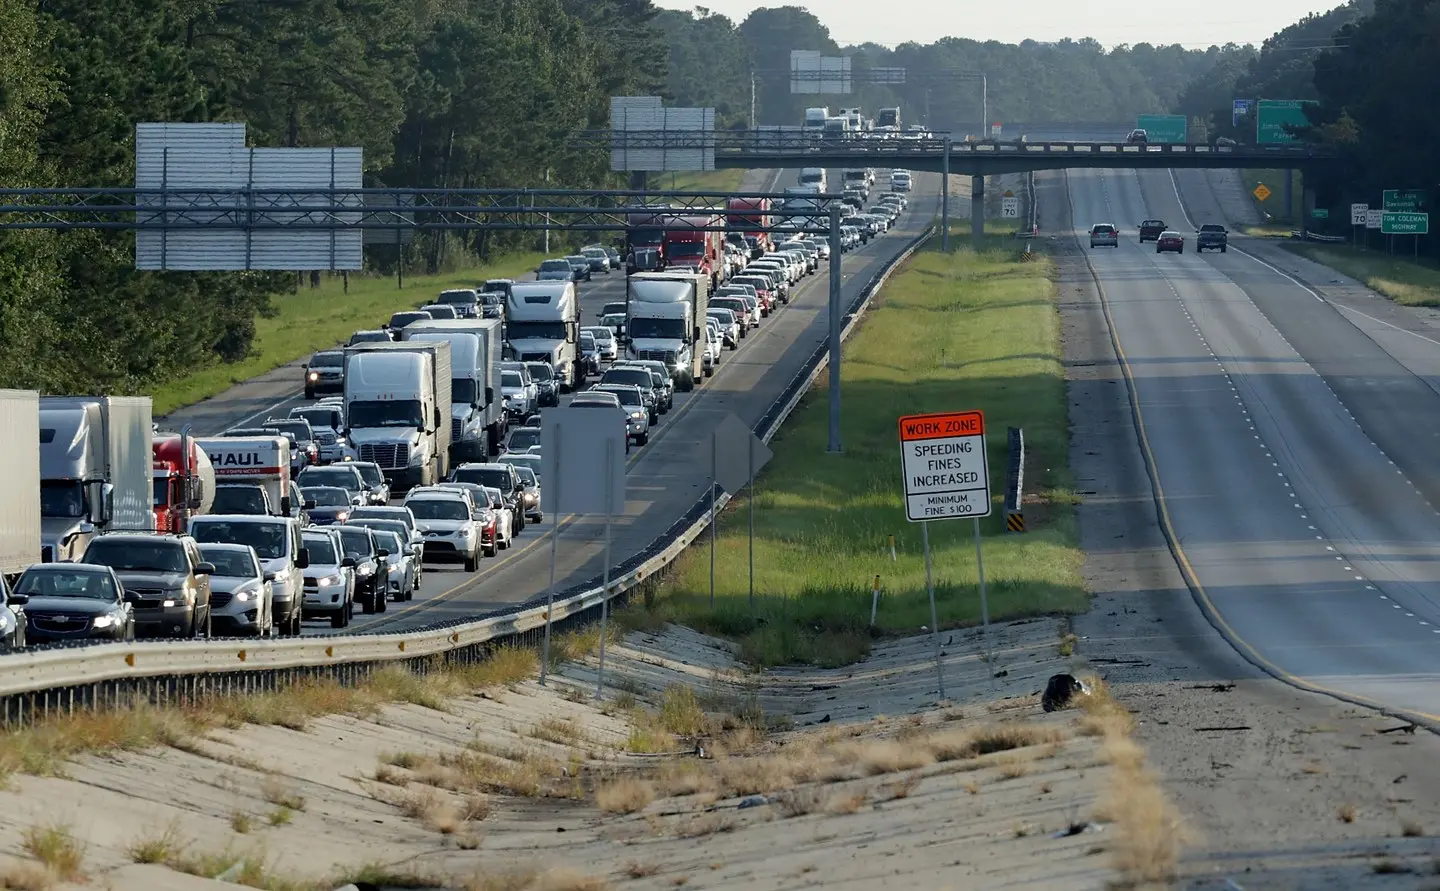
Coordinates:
<point>665,321</point>
<point>478,424</point>
<point>20,484</point>
<point>397,405</point>
<point>252,459</point>
<point>543,325</point>
<point>95,465</point>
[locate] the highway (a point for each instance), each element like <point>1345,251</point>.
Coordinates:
<point>1294,454</point>
<point>666,477</point>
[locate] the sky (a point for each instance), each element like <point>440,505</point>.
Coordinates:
<point>1194,25</point>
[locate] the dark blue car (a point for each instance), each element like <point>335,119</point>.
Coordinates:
<point>328,505</point>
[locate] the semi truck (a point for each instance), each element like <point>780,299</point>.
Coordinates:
<point>397,405</point>
<point>95,464</point>
<point>184,480</point>
<point>543,325</point>
<point>477,413</point>
<point>755,217</point>
<point>889,117</point>
<point>665,321</point>
<point>815,119</point>
<point>20,533</point>
<point>698,242</point>
<point>259,460</point>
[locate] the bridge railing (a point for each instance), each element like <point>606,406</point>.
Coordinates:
<point>793,142</point>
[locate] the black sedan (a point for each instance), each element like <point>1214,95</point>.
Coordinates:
<point>327,505</point>
<point>74,601</point>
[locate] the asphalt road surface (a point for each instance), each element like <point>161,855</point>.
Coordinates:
<point>665,478</point>
<point>1295,454</point>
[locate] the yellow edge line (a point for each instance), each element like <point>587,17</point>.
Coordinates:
<point>1192,579</point>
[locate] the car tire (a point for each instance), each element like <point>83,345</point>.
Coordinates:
<point>309,394</point>
<point>491,550</point>
<point>368,606</point>
<point>518,526</point>
<point>382,601</point>
<point>1222,248</point>
<point>472,563</point>
<point>340,619</point>
<point>643,439</point>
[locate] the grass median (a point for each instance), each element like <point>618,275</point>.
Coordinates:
<point>317,318</point>
<point>1409,282</point>
<point>727,180</point>
<point>959,331</point>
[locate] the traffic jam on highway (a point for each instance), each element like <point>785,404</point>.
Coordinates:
<point>418,442</point>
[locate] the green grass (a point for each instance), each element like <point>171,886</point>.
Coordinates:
<point>317,318</point>
<point>700,180</point>
<point>960,331</point>
<point>1406,281</point>
<point>1280,217</point>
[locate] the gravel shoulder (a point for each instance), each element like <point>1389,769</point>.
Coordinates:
<point>1279,788</point>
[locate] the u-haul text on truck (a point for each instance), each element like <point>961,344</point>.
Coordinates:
<point>943,459</point>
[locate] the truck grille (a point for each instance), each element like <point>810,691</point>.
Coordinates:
<point>456,427</point>
<point>149,598</point>
<point>657,355</point>
<point>389,456</point>
<point>535,357</point>
<point>60,623</point>
<point>325,439</point>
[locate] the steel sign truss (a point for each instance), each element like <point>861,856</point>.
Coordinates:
<point>395,210</point>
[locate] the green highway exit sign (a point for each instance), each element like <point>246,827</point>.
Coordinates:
<point>1321,213</point>
<point>1409,200</point>
<point>1393,223</point>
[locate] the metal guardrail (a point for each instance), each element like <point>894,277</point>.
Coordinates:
<point>1015,480</point>
<point>772,143</point>
<point>65,679</point>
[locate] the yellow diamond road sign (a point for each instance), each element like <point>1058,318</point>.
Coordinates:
<point>1261,192</point>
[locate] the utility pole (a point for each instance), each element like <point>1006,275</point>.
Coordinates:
<point>752,100</point>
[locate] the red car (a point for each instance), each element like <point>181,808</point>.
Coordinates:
<point>488,545</point>
<point>1170,240</point>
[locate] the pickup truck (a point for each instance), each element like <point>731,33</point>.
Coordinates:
<point>1150,230</point>
<point>1211,236</point>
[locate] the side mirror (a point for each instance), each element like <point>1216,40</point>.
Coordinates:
<point>489,395</point>
<point>270,576</point>
<point>420,427</point>
<point>19,599</point>
<point>302,558</point>
<point>204,568</point>
<point>348,562</point>
<point>382,553</point>
<point>310,504</point>
<point>130,597</point>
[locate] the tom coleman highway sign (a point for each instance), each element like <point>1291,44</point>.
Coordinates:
<point>943,459</point>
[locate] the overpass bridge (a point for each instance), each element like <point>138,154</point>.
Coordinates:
<point>939,154</point>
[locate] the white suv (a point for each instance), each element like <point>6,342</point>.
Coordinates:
<point>446,517</point>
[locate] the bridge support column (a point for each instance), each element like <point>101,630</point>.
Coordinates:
<point>977,210</point>
<point>1307,204</point>
<point>945,197</point>
<point>1290,194</point>
<point>637,179</point>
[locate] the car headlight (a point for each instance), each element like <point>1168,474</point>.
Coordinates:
<point>313,376</point>
<point>243,596</point>
<point>105,622</point>
<point>637,415</point>
<point>165,604</point>
<point>327,581</point>
<point>365,569</point>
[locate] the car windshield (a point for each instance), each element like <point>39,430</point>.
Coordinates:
<point>67,583</point>
<point>555,266</point>
<point>663,329</point>
<point>327,360</point>
<point>640,377</point>
<point>386,413</point>
<point>138,556</point>
<point>319,417</point>
<point>370,473</point>
<point>397,514</point>
<point>626,396</point>
<point>536,331</point>
<point>604,335</point>
<point>511,379</point>
<point>524,438</point>
<point>356,541</point>
<point>494,287</point>
<point>239,500</point>
<point>338,477</point>
<point>369,337</point>
<point>394,526</point>
<point>327,496</point>
<point>587,342</point>
<point>268,539</point>
<point>322,550</point>
<point>540,371</point>
<point>458,298</point>
<point>438,509</point>
<point>495,477</point>
<point>401,319</point>
<point>388,541</point>
<point>463,391</point>
<point>231,563</point>
<point>62,498</point>
<point>299,429</point>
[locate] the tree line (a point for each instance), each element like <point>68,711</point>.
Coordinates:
<point>438,94</point>
<point>713,61</point>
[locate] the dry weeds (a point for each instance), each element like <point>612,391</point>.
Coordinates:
<point>26,876</point>
<point>624,795</point>
<point>57,848</point>
<point>1346,813</point>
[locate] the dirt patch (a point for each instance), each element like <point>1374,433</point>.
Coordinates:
<point>1279,789</point>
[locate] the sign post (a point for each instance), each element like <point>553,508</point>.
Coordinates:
<point>735,454</point>
<point>946,477</point>
<point>1358,213</point>
<point>1010,207</point>
<point>1373,218</point>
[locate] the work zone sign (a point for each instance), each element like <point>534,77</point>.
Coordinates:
<point>946,475</point>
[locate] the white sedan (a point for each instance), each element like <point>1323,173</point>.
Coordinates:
<point>605,340</point>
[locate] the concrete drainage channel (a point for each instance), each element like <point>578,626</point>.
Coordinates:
<point>68,679</point>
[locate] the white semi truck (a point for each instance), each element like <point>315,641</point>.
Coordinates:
<point>477,418</point>
<point>397,407</point>
<point>95,465</point>
<point>665,321</point>
<point>20,484</point>
<point>542,324</point>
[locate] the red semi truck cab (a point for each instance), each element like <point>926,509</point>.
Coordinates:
<point>183,489</point>
<point>688,244</point>
<point>757,217</point>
